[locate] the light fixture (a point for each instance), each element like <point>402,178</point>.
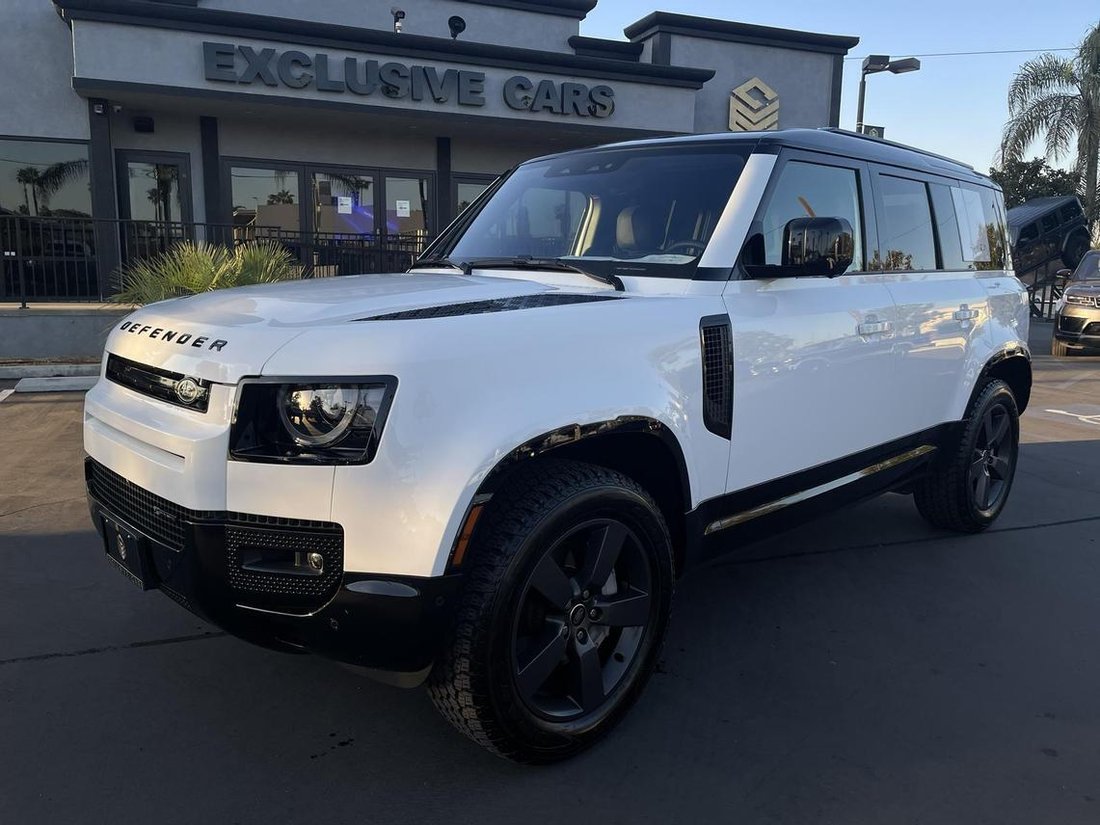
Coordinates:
<point>398,19</point>
<point>457,26</point>
<point>873,64</point>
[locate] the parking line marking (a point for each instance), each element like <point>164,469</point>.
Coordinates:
<point>4,394</point>
<point>1084,419</point>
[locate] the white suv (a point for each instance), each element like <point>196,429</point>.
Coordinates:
<point>487,472</point>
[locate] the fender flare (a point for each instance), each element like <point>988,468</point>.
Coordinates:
<point>1001,357</point>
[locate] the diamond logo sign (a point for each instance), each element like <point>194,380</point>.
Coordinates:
<point>754,107</point>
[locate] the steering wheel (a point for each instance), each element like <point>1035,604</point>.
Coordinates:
<point>690,247</point>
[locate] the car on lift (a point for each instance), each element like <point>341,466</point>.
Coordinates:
<point>1077,313</point>
<point>486,473</point>
<point>1047,234</point>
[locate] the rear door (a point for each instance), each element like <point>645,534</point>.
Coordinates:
<point>813,356</point>
<point>943,309</point>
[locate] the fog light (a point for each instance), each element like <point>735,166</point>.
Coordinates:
<point>316,561</point>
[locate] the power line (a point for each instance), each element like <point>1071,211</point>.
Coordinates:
<point>995,51</point>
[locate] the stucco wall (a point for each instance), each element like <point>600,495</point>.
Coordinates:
<point>484,24</point>
<point>803,80</point>
<point>36,63</point>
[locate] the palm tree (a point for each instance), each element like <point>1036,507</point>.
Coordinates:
<point>28,177</point>
<point>1057,99</point>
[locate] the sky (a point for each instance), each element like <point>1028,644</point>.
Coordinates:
<point>954,105</point>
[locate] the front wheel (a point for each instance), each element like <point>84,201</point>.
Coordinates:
<point>967,489</point>
<point>564,610</point>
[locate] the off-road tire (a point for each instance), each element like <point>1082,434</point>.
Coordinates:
<point>472,684</point>
<point>946,498</point>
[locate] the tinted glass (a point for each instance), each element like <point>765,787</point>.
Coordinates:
<point>982,230</point>
<point>1089,268</point>
<point>407,206</point>
<point>343,203</point>
<point>805,190</point>
<point>640,211</point>
<point>1049,222</point>
<point>1030,232</point>
<point>265,197</point>
<point>906,231</point>
<point>467,193</point>
<point>43,178</point>
<point>1069,212</point>
<point>154,191</point>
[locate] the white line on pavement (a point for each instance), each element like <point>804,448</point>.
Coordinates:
<point>5,393</point>
<point>1084,419</point>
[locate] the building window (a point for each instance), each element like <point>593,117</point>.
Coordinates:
<point>343,203</point>
<point>265,198</point>
<point>408,210</point>
<point>44,178</point>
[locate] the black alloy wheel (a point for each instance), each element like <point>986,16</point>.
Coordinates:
<point>993,457</point>
<point>567,591</point>
<point>583,612</point>
<point>967,486</point>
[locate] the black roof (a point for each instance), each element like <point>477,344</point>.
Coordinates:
<point>830,141</point>
<point>1036,208</point>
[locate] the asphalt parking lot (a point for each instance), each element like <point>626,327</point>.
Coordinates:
<point>862,669</point>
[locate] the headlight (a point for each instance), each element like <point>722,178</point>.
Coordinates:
<point>310,423</point>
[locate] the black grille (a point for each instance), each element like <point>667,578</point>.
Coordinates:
<point>156,383</point>
<point>299,583</point>
<point>543,299</point>
<point>154,516</point>
<point>717,352</point>
<point>1069,323</point>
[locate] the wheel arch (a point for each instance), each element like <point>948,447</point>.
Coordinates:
<point>1013,366</point>
<point>641,448</point>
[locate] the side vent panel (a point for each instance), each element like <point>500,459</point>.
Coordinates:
<point>716,341</point>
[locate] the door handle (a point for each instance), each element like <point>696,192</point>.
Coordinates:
<point>873,327</point>
<point>965,313</point>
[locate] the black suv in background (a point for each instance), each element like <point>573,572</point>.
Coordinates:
<point>1077,317</point>
<point>1047,234</point>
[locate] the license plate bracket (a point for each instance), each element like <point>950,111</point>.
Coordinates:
<point>129,553</point>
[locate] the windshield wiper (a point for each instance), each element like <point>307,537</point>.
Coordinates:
<point>528,262</point>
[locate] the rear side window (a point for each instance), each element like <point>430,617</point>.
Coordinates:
<point>905,237</point>
<point>947,227</point>
<point>1030,232</point>
<point>806,190</point>
<point>981,227</point>
<point>1069,212</point>
<point>1050,222</point>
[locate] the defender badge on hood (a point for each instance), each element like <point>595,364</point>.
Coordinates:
<point>171,336</point>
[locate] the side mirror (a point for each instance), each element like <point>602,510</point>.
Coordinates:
<point>1063,273</point>
<point>818,246</point>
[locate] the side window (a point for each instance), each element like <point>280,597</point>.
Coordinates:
<point>982,227</point>
<point>906,233</point>
<point>1030,232</point>
<point>1050,222</point>
<point>947,228</point>
<point>1069,212</point>
<point>807,190</point>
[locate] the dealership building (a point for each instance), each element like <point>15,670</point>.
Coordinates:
<point>350,130</point>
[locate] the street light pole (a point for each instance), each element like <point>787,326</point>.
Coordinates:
<point>873,64</point>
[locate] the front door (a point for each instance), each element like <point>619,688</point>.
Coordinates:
<point>154,202</point>
<point>813,356</point>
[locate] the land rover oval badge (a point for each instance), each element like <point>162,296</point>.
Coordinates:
<point>188,390</point>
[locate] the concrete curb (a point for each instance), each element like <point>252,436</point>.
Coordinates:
<point>74,383</point>
<point>10,371</point>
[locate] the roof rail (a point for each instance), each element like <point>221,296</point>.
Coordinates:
<point>849,133</point>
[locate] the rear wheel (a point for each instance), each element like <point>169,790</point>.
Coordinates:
<point>967,490</point>
<point>566,602</point>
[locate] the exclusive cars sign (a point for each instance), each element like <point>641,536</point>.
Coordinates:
<point>292,69</point>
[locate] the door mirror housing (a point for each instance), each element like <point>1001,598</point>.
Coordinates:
<point>817,246</point>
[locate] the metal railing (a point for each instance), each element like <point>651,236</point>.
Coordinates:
<point>78,259</point>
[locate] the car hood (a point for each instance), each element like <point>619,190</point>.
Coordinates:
<point>1089,288</point>
<point>227,334</point>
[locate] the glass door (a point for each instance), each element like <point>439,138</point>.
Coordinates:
<point>154,201</point>
<point>345,223</point>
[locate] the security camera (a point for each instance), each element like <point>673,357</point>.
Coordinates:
<point>457,26</point>
<point>398,16</point>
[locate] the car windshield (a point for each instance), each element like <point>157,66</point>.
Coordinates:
<point>635,211</point>
<point>1089,268</point>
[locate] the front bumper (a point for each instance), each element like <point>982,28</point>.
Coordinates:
<point>235,570</point>
<point>1078,326</point>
